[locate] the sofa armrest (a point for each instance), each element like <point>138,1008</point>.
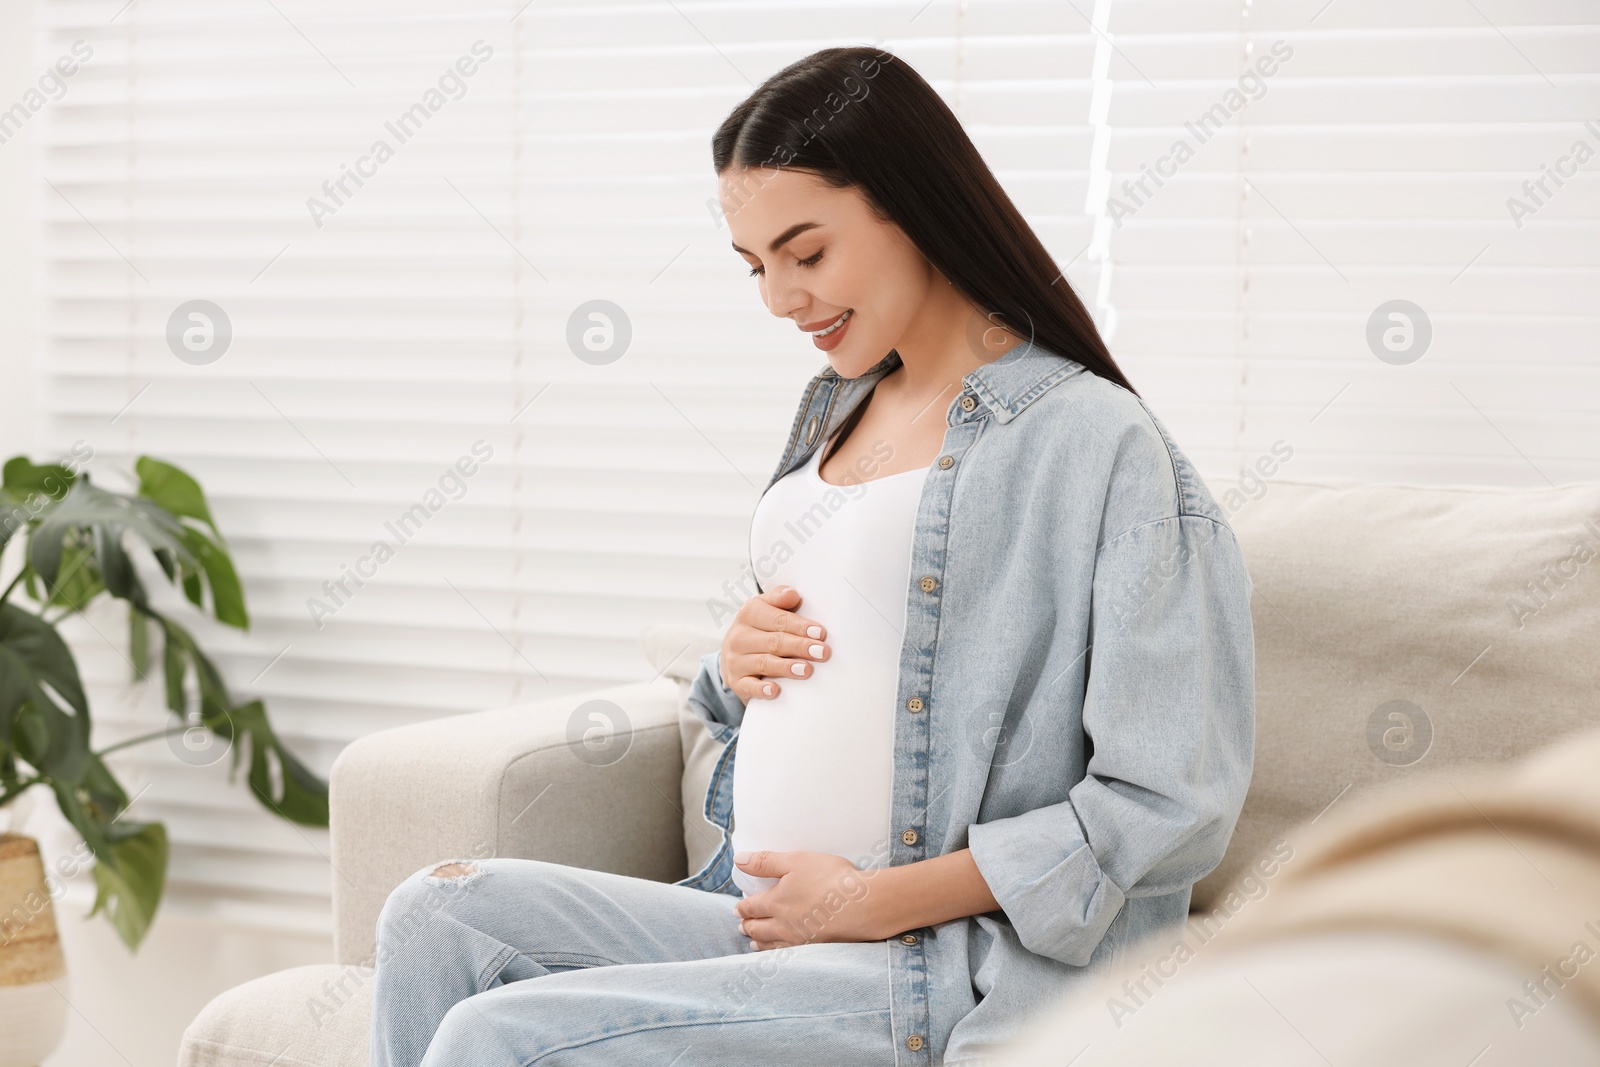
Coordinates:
<point>507,782</point>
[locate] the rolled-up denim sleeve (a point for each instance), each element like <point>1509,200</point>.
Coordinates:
<point>1169,714</point>
<point>713,701</point>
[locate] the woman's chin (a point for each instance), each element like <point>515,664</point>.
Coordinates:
<point>850,365</point>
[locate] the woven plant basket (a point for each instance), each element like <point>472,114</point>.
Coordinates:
<point>33,971</point>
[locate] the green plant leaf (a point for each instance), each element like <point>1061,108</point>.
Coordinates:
<point>90,800</point>
<point>105,795</point>
<point>169,566</point>
<point>178,493</point>
<point>53,741</point>
<point>25,489</point>
<point>301,796</point>
<point>38,650</point>
<point>107,516</point>
<point>174,667</point>
<point>20,479</point>
<point>79,581</point>
<point>227,596</point>
<point>193,589</point>
<point>130,857</point>
<point>130,874</point>
<point>174,490</point>
<point>139,642</point>
<point>116,568</point>
<point>33,657</point>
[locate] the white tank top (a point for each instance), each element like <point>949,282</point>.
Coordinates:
<point>815,767</point>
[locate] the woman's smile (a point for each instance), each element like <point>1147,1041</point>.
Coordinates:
<point>830,335</point>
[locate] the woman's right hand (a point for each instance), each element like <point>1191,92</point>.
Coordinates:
<point>767,641</point>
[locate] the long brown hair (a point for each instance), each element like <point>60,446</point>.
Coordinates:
<point>862,117</point>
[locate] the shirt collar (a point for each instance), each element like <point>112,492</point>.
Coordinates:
<point>1005,387</point>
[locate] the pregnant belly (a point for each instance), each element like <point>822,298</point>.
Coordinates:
<point>815,766</point>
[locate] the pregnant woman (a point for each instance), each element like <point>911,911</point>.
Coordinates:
<point>989,710</point>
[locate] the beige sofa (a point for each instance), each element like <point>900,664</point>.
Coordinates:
<point>1396,628</point>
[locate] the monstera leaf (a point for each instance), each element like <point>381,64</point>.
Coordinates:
<point>95,522</point>
<point>130,857</point>
<point>25,488</point>
<point>37,677</point>
<point>130,873</point>
<point>180,495</point>
<point>303,797</point>
<point>80,540</point>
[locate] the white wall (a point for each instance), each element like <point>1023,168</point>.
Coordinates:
<point>17,222</point>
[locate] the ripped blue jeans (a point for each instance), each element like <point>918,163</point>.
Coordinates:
<point>506,962</point>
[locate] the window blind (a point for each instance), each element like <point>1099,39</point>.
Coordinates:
<point>1285,171</point>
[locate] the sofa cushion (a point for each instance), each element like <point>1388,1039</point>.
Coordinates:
<point>314,1016</point>
<point>675,650</point>
<point>1399,628</point>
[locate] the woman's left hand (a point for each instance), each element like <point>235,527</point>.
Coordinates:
<point>819,897</point>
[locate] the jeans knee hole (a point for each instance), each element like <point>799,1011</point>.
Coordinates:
<point>456,872</point>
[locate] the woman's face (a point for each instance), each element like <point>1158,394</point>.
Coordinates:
<point>834,256</point>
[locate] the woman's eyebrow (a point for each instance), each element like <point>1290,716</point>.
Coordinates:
<point>785,237</point>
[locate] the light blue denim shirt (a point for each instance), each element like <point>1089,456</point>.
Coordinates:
<point>1076,698</point>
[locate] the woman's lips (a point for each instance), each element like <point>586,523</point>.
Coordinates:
<point>832,340</point>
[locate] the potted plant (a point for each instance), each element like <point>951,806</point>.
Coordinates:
<point>77,541</point>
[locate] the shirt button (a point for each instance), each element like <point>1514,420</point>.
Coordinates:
<point>811,429</point>
<point>908,939</point>
<point>909,836</point>
<point>914,704</point>
<point>928,584</point>
<point>968,403</point>
<point>946,462</point>
<point>914,1042</point>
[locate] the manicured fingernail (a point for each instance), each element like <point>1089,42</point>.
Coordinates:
<point>741,857</point>
<point>767,689</point>
<point>813,631</point>
<point>800,669</point>
<point>753,946</point>
<point>816,650</point>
